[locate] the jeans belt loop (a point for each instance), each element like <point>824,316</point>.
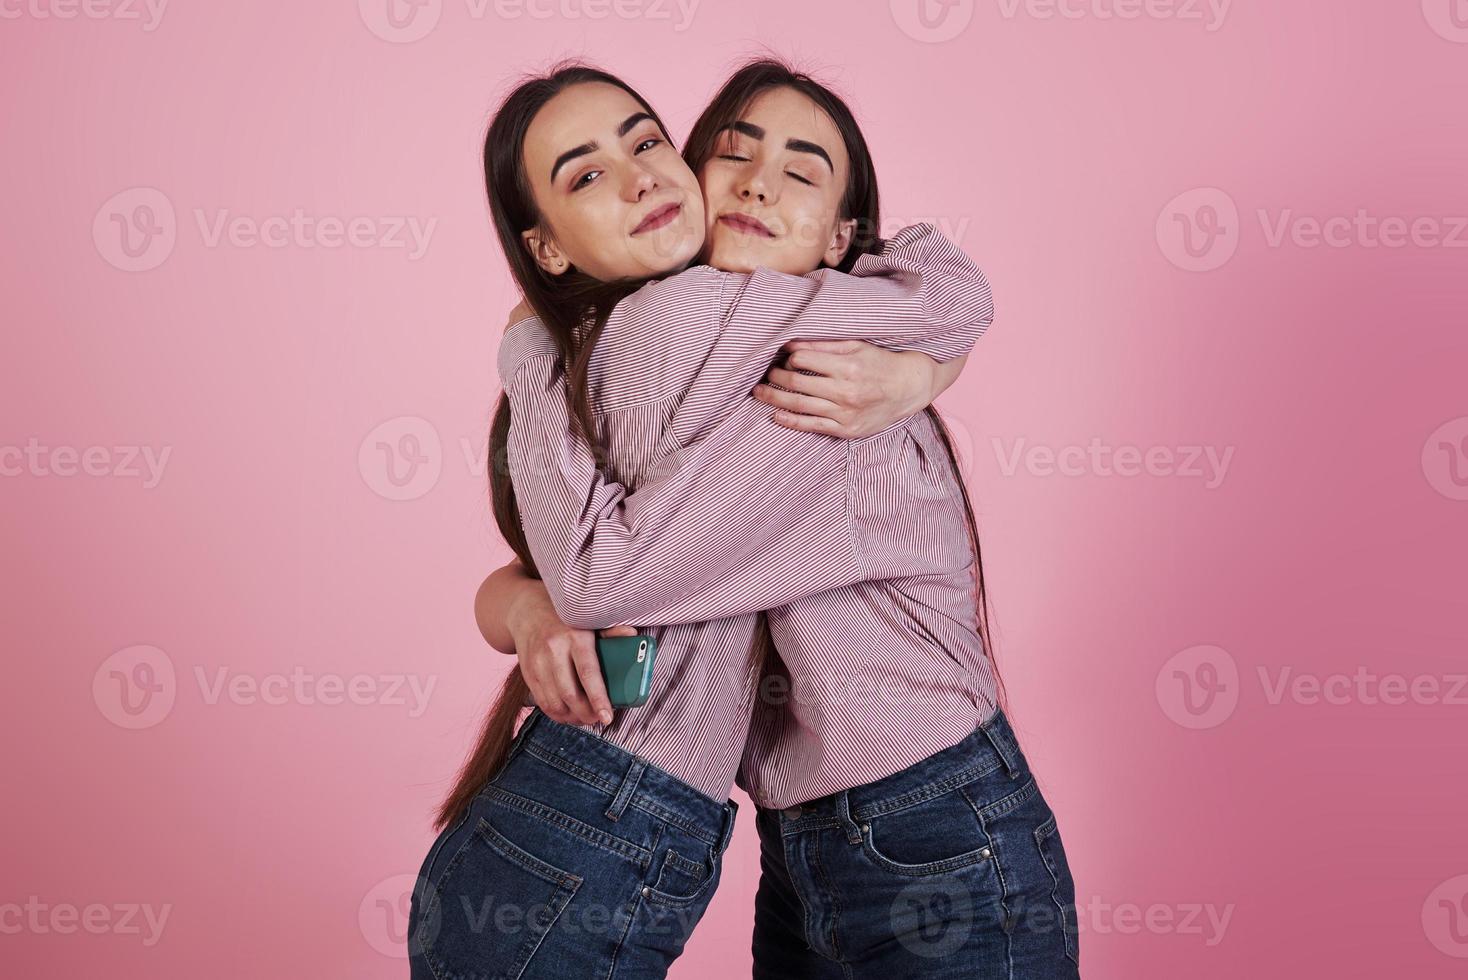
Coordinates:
<point>518,742</point>
<point>628,787</point>
<point>726,832</point>
<point>848,823</point>
<point>1002,738</point>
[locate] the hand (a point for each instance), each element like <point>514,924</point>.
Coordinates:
<point>559,663</point>
<point>855,389</point>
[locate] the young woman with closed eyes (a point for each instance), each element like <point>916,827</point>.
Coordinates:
<point>731,514</point>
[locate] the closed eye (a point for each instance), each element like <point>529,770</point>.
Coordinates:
<point>730,156</point>
<point>808,183</point>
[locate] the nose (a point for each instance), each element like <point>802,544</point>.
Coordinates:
<point>640,182</point>
<point>756,189</point>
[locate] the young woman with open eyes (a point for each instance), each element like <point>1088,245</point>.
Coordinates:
<point>902,832</point>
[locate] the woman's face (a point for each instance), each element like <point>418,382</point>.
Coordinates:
<point>772,188</point>
<point>615,199</point>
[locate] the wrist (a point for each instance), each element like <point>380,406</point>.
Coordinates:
<point>927,388</point>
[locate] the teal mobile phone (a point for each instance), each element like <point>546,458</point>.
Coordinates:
<point>626,666</point>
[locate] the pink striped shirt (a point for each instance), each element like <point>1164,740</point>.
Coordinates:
<point>709,512</point>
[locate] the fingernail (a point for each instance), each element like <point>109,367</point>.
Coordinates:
<point>606,717</point>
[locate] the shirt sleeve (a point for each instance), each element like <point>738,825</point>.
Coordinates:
<point>920,292</point>
<point>748,515</point>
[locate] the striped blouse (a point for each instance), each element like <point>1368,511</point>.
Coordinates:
<point>705,512</point>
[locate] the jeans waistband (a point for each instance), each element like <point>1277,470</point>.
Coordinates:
<point>626,778</point>
<point>991,747</point>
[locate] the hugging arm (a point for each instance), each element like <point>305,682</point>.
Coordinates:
<point>748,516</point>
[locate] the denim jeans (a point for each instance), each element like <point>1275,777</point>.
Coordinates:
<point>577,860</point>
<point>952,867</point>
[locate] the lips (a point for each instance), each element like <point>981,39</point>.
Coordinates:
<point>746,223</point>
<point>657,218</point>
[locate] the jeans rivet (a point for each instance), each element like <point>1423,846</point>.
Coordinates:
<point>646,891</point>
<point>866,828</point>
<point>985,852</point>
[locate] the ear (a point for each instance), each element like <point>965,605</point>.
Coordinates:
<point>840,242</point>
<point>546,253</point>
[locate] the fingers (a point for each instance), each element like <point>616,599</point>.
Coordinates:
<point>798,404</point>
<point>833,346</point>
<point>551,677</point>
<point>830,387</point>
<point>588,671</point>
<point>811,423</point>
<point>823,363</point>
<point>568,687</point>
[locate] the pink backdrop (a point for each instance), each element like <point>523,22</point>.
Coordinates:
<point>1218,440</point>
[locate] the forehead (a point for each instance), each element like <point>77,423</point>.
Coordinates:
<point>785,114</point>
<point>586,113</point>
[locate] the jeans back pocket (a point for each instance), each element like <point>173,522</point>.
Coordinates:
<point>492,907</point>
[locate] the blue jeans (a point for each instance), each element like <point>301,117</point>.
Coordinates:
<point>578,859</point>
<point>952,867</point>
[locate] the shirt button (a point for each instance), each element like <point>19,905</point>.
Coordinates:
<point>793,812</point>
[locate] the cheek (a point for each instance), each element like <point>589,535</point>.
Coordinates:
<point>811,224</point>
<point>589,233</point>
<point>714,185</point>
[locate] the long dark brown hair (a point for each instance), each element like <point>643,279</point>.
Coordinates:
<point>565,303</point>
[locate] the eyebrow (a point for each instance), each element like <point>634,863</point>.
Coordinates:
<point>799,146</point>
<point>580,151</point>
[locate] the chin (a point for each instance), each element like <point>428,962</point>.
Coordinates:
<point>721,256</point>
